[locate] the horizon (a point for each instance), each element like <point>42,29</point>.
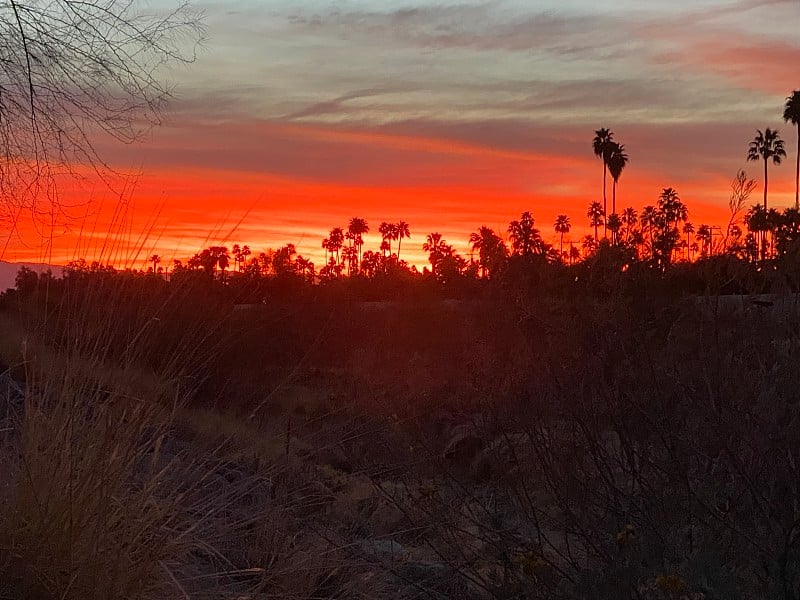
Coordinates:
<point>450,116</point>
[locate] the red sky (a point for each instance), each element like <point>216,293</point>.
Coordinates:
<point>298,116</point>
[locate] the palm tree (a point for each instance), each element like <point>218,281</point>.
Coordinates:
<point>629,218</point>
<point>603,144</point>
<point>766,145</point>
<point>400,231</point>
<point>704,236</point>
<point>434,245</point>
<point>617,161</point>
<point>492,252</point>
<point>595,214</point>
<point>589,244</point>
<point>791,114</point>
<point>335,242</point>
<point>688,229</point>
<point>671,207</point>
<point>386,230</point>
<point>356,230</point>
<point>155,259</point>
<point>614,224</point>
<point>648,221</point>
<point>525,238</point>
<point>562,226</point>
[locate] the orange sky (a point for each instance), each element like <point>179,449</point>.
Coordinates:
<point>448,118</point>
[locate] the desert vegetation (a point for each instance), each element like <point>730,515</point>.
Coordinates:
<point>613,415</point>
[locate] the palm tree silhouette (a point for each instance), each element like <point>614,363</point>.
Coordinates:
<point>401,231</point>
<point>766,145</point>
<point>155,259</point>
<point>629,218</point>
<point>562,226</point>
<point>595,214</point>
<point>525,238</point>
<point>617,161</point>
<point>791,114</point>
<point>688,229</point>
<point>387,232</point>
<point>434,245</point>
<point>614,224</point>
<point>335,242</point>
<point>602,145</point>
<point>648,221</point>
<point>491,250</point>
<point>356,229</point>
<point>704,236</point>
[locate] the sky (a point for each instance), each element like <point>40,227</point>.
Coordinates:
<point>298,115</point>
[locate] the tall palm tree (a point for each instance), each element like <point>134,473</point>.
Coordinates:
<point>595,214</point>
<point>617,161</point>
<point>562,226</point>
<point>766,145</point>
<point>401,231</point>
<point>155,259</point>
<point>791,114</point>
<point>602,145</point>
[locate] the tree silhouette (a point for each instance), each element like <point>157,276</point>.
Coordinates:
<point>670,212</point>
<point>525,238</point>
<point>70,69</point>
<point>356,230</point>
<point>400,231</point>
<point>596,216</point>
<point>434,245</point>
<point>704,236</point>
<point>590,244</point>
<point>791,114</point>
<point>603,145</point>
<point>688,229</point>
<point>492,251</point>
<point>614,224</point>
<point>155,259</point>
<point>766,145</point>
<point>336,242</point>
<point>562,226</point>
<point>387,235</point>
<point>617,161</point>
<point>629,219</point>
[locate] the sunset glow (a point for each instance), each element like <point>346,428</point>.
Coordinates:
<point>299,115</point>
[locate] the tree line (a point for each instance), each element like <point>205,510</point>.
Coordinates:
<point>658,236</point>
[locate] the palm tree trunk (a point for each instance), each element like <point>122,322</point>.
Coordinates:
<point>764,233</point>
<point>605,208</point>
<point>797,173</point>
<point>614,198</point>
<point>561,246</point>
<point>399,241</point>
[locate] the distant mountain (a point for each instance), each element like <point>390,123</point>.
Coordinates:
<point>8,272</point>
